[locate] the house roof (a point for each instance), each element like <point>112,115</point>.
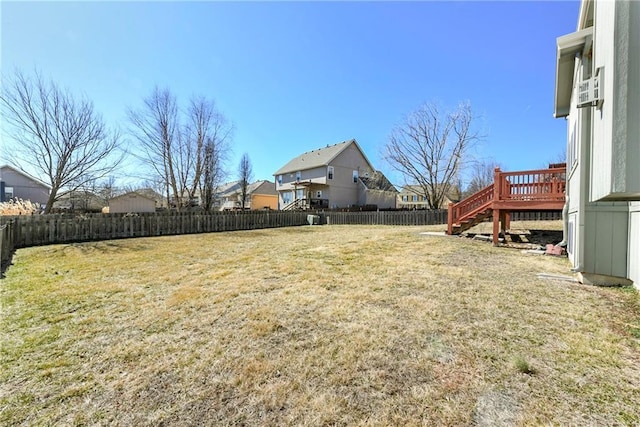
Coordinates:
<point>317,158</point>
<point>228,188</point>
<point>26,175</point>
<point>133,193</point>
<point>150,193</point>
<point>568,46</point>
<point>377,181</point>
<point>452,194</point>
<point>264,187</point>
<point>233,187</point>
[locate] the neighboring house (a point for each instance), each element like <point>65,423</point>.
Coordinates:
<point>412,197</point>
<point>598,91</point>
<point>377,191</point>
<point>263,195</point>
<point>330,177</point>
<point>150,193</point>
<point>260,195</point>
<point>132,202</point>
<point>15,184</point>
<point>80,200</point>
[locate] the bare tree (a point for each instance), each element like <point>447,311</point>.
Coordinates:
<point>482,175</point>
<point>156,128</point>
<point>245,175</point>
<point>214,156</point>
<point>174,144</point>
<point>107,189</point>
<point>429,149</point>
<point>62,138</point>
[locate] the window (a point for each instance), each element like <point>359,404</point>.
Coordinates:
<point>405,198</point>
<point>298,176</point>
<point>414,198</point>
<point>279,179</point>
<point>570,237</point>
<point>355,176</point>
<point>8,193</point>
<point>572,152</point>
<point>330,172</point>
<point>286,197</point>
<point>319,195</point>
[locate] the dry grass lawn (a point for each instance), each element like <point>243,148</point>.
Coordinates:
<point>323,325</point>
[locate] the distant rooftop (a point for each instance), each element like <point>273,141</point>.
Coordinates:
<point>315,158</point>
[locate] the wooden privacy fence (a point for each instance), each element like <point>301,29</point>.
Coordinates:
<point>51,229</point>
<point>7,245</point>
<point>34,230</point>
<point>418,217</point>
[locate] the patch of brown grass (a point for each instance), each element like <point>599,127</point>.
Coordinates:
<point>311,325</point>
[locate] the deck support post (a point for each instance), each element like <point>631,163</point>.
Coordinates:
<point>505,220</point>
<point>496,226</point>
<point>450,219</point>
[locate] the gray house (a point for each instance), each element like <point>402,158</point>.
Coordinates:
<point>598,92</point>
<point>15,184</point>
<point>336,176</point>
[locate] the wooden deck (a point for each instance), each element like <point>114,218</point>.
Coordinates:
<point>541,189</point>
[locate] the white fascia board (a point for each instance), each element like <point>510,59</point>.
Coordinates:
<point>568,46</point>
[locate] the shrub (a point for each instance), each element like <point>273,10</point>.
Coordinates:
<point>18,207</point>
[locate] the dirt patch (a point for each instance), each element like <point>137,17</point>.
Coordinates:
<point>495,408</point>
<point>525,239</point>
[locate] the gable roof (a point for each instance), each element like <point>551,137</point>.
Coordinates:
<point>453,194</point>
<point>233,187</point>
<point>320,157</point>
<point>133,193</point>
<point>264,187</point>
<point>377,181</point>
<point>26,175</point>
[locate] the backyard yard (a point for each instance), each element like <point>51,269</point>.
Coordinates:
<point>312,325</point>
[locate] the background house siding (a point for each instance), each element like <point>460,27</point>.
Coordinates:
<point>289,181</point>
<point>262,201</point>
<point>131,203</point>
<point>381,199</point>
<point>24,187</point>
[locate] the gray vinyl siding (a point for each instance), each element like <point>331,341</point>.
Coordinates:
<point>24,187</point>
<point>634,243</point>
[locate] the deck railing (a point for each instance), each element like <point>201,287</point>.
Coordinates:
<point>540,185</point>
<point>469,207</point>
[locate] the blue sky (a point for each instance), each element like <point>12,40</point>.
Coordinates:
<point>295,76</point>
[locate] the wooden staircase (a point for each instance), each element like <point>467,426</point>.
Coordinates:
<point>296,205</point>
<point>541,189</point>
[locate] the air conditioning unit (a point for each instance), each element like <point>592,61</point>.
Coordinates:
<point>590,91</point>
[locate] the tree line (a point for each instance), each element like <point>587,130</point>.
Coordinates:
<point>184,150</point>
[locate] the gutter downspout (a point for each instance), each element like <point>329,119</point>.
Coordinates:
<point>565,220</point>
